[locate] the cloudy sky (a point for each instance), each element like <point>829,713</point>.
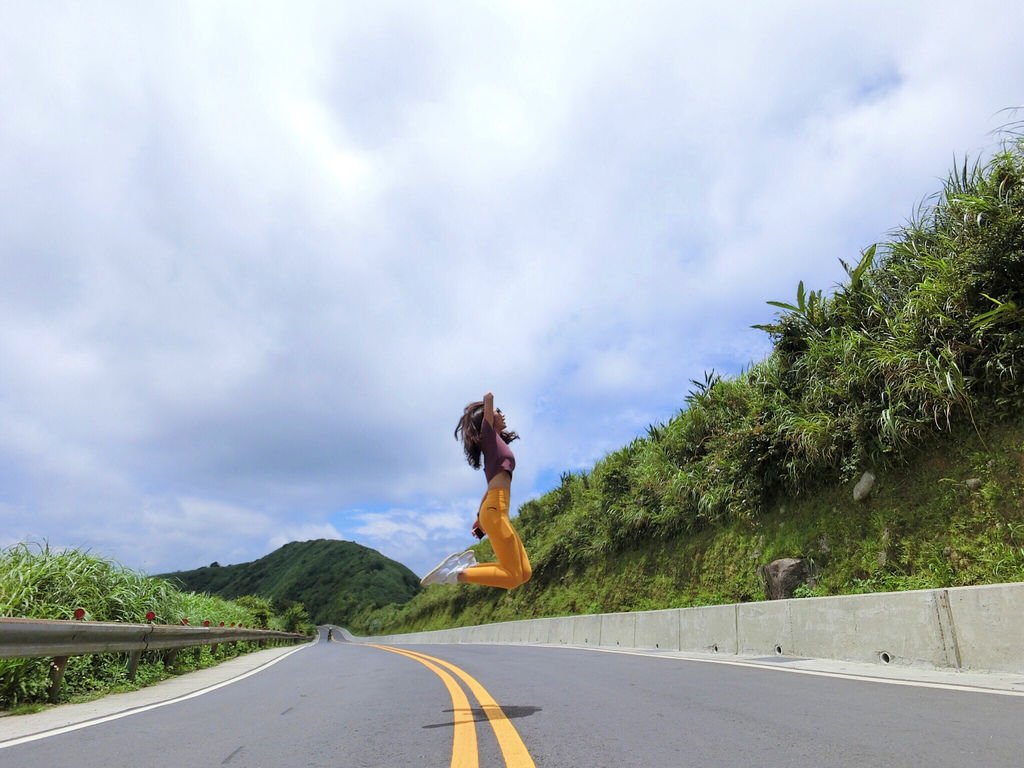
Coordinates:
<point>254,259</point>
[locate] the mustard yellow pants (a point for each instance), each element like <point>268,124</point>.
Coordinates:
<point>513,566</point>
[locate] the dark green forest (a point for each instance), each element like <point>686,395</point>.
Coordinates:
<point>334,580</point>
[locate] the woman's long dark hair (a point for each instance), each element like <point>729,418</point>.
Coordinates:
<point>468,431</point>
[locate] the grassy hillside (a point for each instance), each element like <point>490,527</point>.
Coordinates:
<point>911,368</point>
<point>335,580</point>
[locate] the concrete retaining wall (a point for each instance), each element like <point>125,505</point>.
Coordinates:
<point>968,628</point>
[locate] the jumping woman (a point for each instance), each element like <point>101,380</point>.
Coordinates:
<point>483,434</point>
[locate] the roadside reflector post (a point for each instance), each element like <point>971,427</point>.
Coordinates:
<point>213,649</point>
<point>79,614</point>
<point>57,667</point>
<point>199,648</point>
<point>133,663</point>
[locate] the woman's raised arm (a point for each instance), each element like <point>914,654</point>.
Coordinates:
<point>489,409</point>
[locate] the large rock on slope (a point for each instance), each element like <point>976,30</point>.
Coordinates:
<point>782,577</point>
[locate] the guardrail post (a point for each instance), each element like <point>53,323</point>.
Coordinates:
<point>57,667</point>
<point>133,663</point>
<point>170,657</point>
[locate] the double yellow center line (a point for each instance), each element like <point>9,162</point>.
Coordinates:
<point>464,746</point>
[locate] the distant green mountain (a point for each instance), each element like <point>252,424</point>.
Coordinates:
<point>335,580</point>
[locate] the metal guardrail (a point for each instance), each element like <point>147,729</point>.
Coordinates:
<point>36,638</point>
<point>25,638</point>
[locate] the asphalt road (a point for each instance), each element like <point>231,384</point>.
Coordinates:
<point>342,704</point>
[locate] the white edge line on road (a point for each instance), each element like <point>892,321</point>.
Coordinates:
<point>137,710</point>
<point>791,670</point>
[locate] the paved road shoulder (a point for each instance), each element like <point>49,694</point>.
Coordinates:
<point>14,727</point>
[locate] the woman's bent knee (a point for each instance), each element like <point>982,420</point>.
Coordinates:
<point>525,575</point>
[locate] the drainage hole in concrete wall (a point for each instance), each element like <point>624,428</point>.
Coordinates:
<point>778,650</point>
<point>884,657</point>
<point>657,646</point>
<point>715,647</point>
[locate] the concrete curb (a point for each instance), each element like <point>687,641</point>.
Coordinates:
<point>978,629</point>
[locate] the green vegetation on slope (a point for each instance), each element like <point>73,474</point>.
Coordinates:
<point>336,581</point>
<point>40,583</point>
<point>912,362</point>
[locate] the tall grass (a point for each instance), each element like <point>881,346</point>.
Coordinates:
<point>39,582</point>
<point>926,333</point>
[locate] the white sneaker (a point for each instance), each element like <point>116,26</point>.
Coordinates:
<point>448,570</point>
<point>439,571</point>
<point>464,561</point>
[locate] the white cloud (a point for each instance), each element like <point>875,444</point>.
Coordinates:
<point>385,528</point>
<point>417,537</point>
